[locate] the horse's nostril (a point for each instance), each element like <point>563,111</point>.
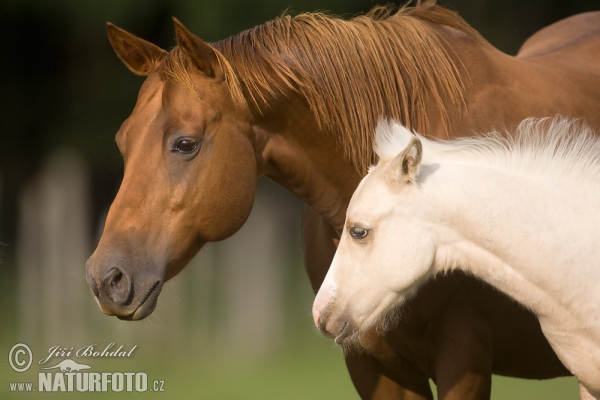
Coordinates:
<point>92,282</point>
<point>94,287</point>
<point>117,286</point>
<point>116,279</point>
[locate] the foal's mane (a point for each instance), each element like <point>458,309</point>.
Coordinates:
<point>550,147</point>
<point>351,72</point>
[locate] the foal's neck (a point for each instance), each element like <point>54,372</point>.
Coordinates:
<point>534,239</point>
<point>527,236</point>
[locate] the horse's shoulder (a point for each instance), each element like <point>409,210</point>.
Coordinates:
<point>569,33</point>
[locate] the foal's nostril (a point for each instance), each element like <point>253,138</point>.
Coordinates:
<point>117,286</point>
<point>316,316</point>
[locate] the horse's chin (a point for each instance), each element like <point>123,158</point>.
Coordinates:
<point>147,305</point>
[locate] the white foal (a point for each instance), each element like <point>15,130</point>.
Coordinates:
<point>521,214</point>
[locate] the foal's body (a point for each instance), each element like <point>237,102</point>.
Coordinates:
<point>457,337</point>
<point>519,216</point>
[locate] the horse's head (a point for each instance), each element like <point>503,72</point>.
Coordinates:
<point>190,171</point>
<point>383,253</point>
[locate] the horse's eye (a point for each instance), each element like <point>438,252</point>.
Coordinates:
<point>186,145</point>
<point>359,233</point>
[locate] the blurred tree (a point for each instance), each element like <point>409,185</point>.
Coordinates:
<point>63,85</point>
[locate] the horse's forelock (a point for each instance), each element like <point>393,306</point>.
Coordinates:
<point>176,66</point>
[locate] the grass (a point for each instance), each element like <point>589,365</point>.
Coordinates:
<point>313,370</point>
<point>521,389</point>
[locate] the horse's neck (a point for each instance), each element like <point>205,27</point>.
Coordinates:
<point>307,161</point>
<point>529,237</point>
<point>310,163</point>
<point>486,72</point>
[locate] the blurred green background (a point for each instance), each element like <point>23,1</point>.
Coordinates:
<point>236,323</point>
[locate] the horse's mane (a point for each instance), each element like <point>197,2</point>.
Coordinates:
<point>551,147</point>
<point>351,72</point>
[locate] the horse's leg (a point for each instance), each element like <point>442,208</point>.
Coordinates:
<point>462,354</point>
<point>373,384</point>
<point>320,242</point>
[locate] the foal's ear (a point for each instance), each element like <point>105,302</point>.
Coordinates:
<point>405,167</point>
<point>140,56</point>
<point>203,55</point>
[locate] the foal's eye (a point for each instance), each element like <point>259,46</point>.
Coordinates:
<point>186,145</point>
<point>359,233</point>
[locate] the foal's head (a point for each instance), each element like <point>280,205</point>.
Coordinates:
<point>384,250</point>
<point>190,171</point>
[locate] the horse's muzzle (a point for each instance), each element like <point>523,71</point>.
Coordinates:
<point>119,294</point>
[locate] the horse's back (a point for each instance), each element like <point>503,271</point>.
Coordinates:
<point>558,71</point>
<point>577,36</point>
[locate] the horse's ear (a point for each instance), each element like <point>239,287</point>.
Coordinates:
<point>405,167</point>
<point>203,55</point>
<point>140,56</point>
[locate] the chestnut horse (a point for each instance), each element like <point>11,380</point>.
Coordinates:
<point>297,100</point>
